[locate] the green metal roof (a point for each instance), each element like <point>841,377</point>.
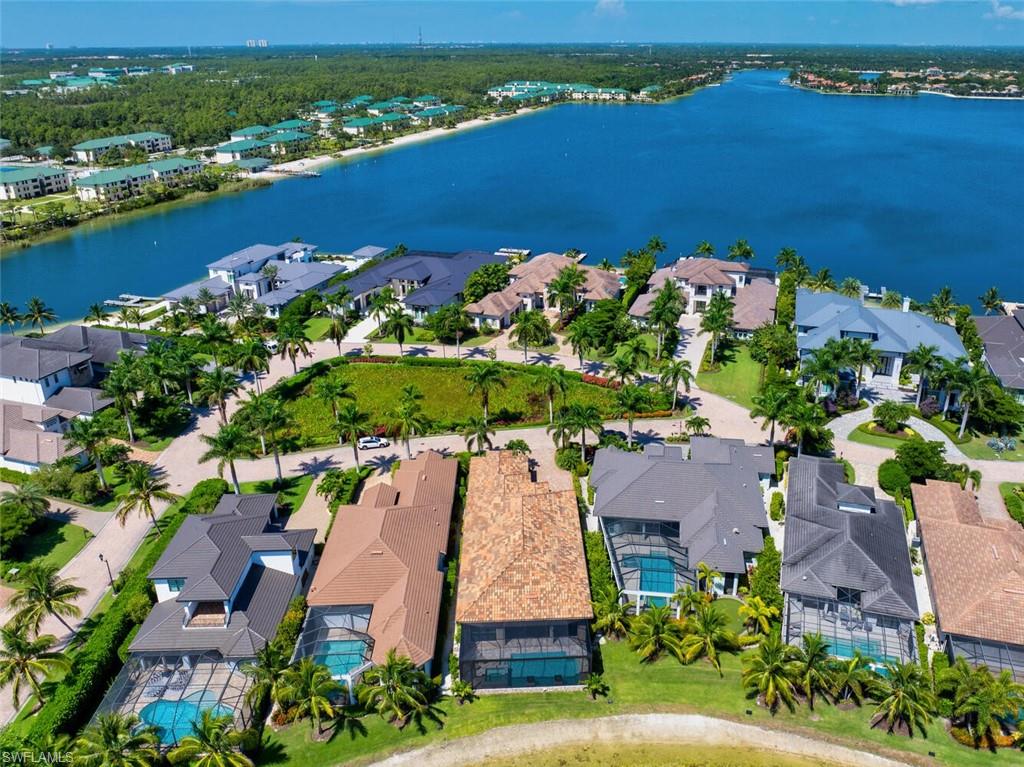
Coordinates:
<point>380,105</point>
<point>286,125</point>
<point>440,111</point>
<point>325,103</point>
<point>400,100</point>
<point>288,137</point>
<point>359,122</point>
<point>251,130</point>
<point>145,135</point>
<point>13,175</point>
<point>115,175</point>
<point>242,145</point>
<point>391,117</point>
<point>45,150</point>
<point>102,143</point>
<point>427,97</point>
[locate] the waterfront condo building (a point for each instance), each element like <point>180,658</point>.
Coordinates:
<point>122,183</point>
<point>523,600</point>
<point>662,514</point>
<point>149,142</point>
<point>846,570</point>
<point>26,183</point>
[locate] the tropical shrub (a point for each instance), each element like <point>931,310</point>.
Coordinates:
<point>777,507</point>
<point>599,568</point>
<point>764,580</point>
<point>15,524</point>
<point>205,495</point>
<point>85,487</point>
<point>291,624</point>
<point>891,415</point>
<point>892,478</point>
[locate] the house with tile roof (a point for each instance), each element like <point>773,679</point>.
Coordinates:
<point>1003,337</point>
<point>753,306</point>
<point>893,333</point>
<point>846,570</point>
<point>701,278</point>
<point>242,149</point>
<point>378,585</point>
<point>662,513</point>
<point>523,599</point>
<point>975,569</point>
<point>32,436</point>
<point>528,289</point>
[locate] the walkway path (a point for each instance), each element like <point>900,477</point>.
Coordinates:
<point>516,740</point>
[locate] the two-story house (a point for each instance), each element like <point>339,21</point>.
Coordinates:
<point>701,278</point>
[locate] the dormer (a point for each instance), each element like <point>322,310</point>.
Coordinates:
<point>855,499</point>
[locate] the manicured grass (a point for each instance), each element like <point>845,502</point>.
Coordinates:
<point>870,434</point>
<point>664,686</point>
<point>978,448</point>
<point>447,401</point>
<point>316,327</point>
<point>53,542</point>
<point>1014,504</point>
<point>291,493</point>
<point>736,379</point>
<point>731,608</point>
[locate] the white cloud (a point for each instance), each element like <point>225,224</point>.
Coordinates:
<point>1002,10</point>
<point>610,8</point>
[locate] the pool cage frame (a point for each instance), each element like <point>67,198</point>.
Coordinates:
<point>998,656</point>
<point>332,624</point>
<point>843,624</point>
<point>148,678</point>
<point>487,652</point>
<point>625,538</point>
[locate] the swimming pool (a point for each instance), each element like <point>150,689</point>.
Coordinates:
<point>341,656</point>
<point>542,669</point>
<point>174,718</point>
<point>657,574</point>
<point>845,648</point>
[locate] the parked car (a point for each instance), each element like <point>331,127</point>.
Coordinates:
<point>271,344</point>
<point>369,443</point>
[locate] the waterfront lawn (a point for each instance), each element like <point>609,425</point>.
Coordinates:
<point>52,542</point>
<point>291,493</point>
<point>664,686</point>
<point>447,402</point>
<point>737,377</point>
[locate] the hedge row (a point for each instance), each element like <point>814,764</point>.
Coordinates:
<point>599,568</point>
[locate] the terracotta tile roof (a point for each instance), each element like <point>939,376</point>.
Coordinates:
<point>522,550</point>
<point>535,275</point>
<point>496,304</point>
<point>386,551</point>
<point>975,566</point>
<point>754,304</point>
<point>704,271</point>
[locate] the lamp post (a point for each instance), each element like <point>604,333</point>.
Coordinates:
<point>110,575</point>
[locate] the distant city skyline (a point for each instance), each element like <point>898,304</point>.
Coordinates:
<point>88,23</point>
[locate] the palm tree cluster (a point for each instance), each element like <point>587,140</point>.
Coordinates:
<point>783,402</point>
<point>36,315</point>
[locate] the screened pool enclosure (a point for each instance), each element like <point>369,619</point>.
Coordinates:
<point>338,637</point>
<point>648,561</point>
<point>549,654</point>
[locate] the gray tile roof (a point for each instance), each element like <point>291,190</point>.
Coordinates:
<point>79,399</point>
<point>733,451</point>
<point>718,505</point>
<point>1003,337</point>
<point>103,344</point>
<point>297,278</point>
<point>215,285</point>
<point>822,316</point>
<point>827,548</point>
<point>26,358</point>
<point>255,254</point>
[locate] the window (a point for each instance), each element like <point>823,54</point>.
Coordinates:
<point>175,585</point>
<point>847,596</point>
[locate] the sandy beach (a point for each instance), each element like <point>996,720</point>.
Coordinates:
<point>286,169</point>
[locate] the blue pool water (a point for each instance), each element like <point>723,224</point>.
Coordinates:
<point>174,718</point>
<point>341,655</point>
<point>542,669</point>
<point>910,193</point>
<point>656,573</point>
<point>845,648</point>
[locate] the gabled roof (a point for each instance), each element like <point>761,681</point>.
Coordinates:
<point>1003,337</point>
<point>975,566</point>
<point>104,344</point>
<point>14,175</point>
<point>824,316</point>
<point>22,438</point>
<point>716,497</point>
<point>26,358</point>
<point>255,254</point>
<point>754,304</point>
<point>387,551</point>
<point>522,549</point>
<point>79,399</point>
<point>827,548</point>
<point>700,271</point>
<point>535,274</point>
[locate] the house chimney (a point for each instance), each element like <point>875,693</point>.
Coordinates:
<point>906,303</point>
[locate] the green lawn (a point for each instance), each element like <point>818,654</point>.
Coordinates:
<point>737,378</point>
<point>53,543</point>
<point>316,327</point>
<point>1014,504</point>
<point>291,493</point>
<point>977,448</point>
<point>665,686</point>
<point>865,435</point>
<point>447,401</point>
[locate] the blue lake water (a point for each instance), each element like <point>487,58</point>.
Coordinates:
<point>909,193</point>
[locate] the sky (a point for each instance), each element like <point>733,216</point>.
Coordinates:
<point>88,23</point>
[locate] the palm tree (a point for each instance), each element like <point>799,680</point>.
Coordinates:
<point>688,599</point>
<point>637,352</point>
<point>717,320</point>
<point>822,281</point>
<point>786,259</point>
<point>707,634</point>
<point>861,354</point>
<point>270,417</point>
<point>383,304</point>
<point>852,678</point>
<point>924,361</point>
<point>266,673</point>
<point>485,379</point>
<point>771,405</point>
<point>400,325</point>
<point>704,249</point>
<point>595,685</point>
<point>9,315</point>
<point>339,326</point>
<point>214,335</point>
<point>940,307</point>
<point>231,443</point>
<point>252,356</point>
<point>584,418</point>
<point>656,631</point>
<point>214,742</point>
<point>309,687</point>
<point>850,287</point>
<point>564,289</point>
<point>451,321</point>
<point>947,377</point>
<point>121,385</point>
<point>561,429</point>
<point>183,363</point>
<point>757,615</point>
<point>42,592</point>
<point>123,317</point>
<point>822,367</point>
<point>630,400</point>
<point>892,300</point>
<point>611,612</point>
<point>807,421</point>
<point>477,435</point>
<point>97,314</point>
<point>29,495</point>
<point>395,689</point>
<point>531,328</point>
<point>553,380</point>
<point>291,342</point>
<point>24,661</point>
<point>698,425</point>
<point>706,576</point>
<point>623,368</point>
<point>991,301</point>
<point>812,667</point>
<point>92,436</point>
<point>330,389</point>
<point>580,335</point>
<point>408,419</point>
<point>905,698</point>
<point>974,383</point>
<point>673,373</point>
<point>352,423</point>
<point>606,265</point>
<point>116,740</point>
<point>215,386</point>
<point>769,672</point>
<point>988,704</point>
<point>38,313</point>
<point>665,311</point>
<point>740,251</point>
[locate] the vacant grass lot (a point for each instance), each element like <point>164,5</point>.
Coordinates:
<point>737,377</point>
<point>665,686</point>
<point>53,543</point>
<point>447,401</point>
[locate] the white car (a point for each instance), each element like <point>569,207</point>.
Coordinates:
<point>369,443</point>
